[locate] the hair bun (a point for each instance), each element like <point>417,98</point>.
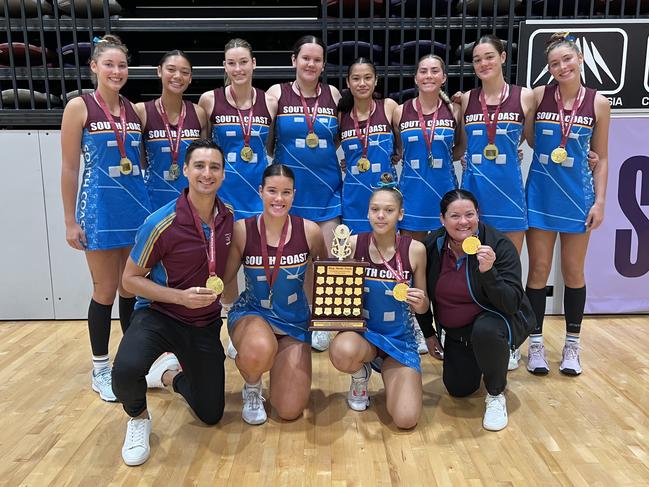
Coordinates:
<point>386,181</point>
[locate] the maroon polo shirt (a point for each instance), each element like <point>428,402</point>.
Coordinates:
<point>454,306</point>
<point>169,244</point>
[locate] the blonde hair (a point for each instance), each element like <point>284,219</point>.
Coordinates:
<point>103,44</point>
<point>233,44</point>
<point>559,39</point>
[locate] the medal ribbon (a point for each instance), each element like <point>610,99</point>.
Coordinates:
<point>271,278</point>
<point>567,126</point>
<point>428,137</point>
<point>210,248</point>
<point>120,138</point>
<point>310,118</point>
<point>363,137</point>
<point>492,125</point>
<point>174,145</point>
<point>246,130</point>
<point>398,272</point>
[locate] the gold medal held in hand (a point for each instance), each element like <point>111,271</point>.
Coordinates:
<point>363,164</point>
<point>174,171</point>
<point>400,291</point>
<point>125,166</point>
<point>559,155</point>
<point>247,153</point>
<point>470,245</point>
<point>490,152</point>
<point>215,284</point>
<point>312,140</point>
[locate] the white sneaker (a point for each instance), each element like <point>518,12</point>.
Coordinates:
<point>136,447</point>
<point>422,348</point>
<point>166,361</point>
<point>231,351</point>
<point>320,340</point>
<point>357,397</point>
<point>495,415</point>
<point>514,357</point>
<point>253,411</point>
<point>102,383</point>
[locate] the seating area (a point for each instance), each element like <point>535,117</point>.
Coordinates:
<point>45,44</point>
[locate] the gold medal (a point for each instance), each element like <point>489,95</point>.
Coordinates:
<point>363,164</point>
<point>125,166</point>
<point>312,140</point>
<point>470,245</point>
<point>174,171</point>
<point>215,284</point>
<point>247,153</point>
<point>400,291</point>
<point>559,155</point>
<point>490,151</point>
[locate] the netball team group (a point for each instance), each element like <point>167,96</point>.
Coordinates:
<point>175,197</point>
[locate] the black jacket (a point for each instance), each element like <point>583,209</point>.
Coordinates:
<point>498,291</point>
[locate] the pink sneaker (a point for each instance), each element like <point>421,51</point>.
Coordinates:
<point>570,364</point>
<point>536,362</point>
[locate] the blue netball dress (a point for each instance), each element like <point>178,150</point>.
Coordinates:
<point>111,205</point>
<point>359,185</point>
<point>161,185</point>
<point>242,179</point>
<point>288,313</point>
<point>497,184</point>
<point>559,196</point>
<point>423,182</point>
<point>389,326</point>
<point>318,178</point>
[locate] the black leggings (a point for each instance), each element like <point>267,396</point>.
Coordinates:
<point>477,350</point>
<point>199,351</point>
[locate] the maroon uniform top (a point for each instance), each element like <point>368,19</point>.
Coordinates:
<point>169,244</point>
<point>454,306</point>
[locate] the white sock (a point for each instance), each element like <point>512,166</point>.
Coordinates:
<point>572,338</point>
<point>536,339</point>
<point>100,363</point>
<point>361,373</point>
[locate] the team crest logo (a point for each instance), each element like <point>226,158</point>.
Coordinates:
<point>605,54</point>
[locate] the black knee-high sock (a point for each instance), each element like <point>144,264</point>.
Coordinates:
<point>537,299</point>
<point>574,301</point>
<point>126,306</point>
<point>99,327</point>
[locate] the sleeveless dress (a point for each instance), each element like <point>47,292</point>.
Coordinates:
<point>318,178</point>
<point>242,179</point>
<point>358,186</point>
<point>424,184</point>
<point>497,184</point>
<point>110,206</point>
<point>289,314</point>
<point>389,325</point>
<point>162,189</point>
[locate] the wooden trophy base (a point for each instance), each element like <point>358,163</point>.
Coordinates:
<point>338,295</point>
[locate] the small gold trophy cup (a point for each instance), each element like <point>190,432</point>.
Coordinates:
<point>338,288</point>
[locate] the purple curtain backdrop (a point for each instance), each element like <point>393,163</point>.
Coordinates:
<point>617,264</point>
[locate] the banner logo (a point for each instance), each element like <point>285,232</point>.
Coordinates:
<point>604,51</point>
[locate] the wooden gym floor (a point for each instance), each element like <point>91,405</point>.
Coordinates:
<point>591,430</point>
